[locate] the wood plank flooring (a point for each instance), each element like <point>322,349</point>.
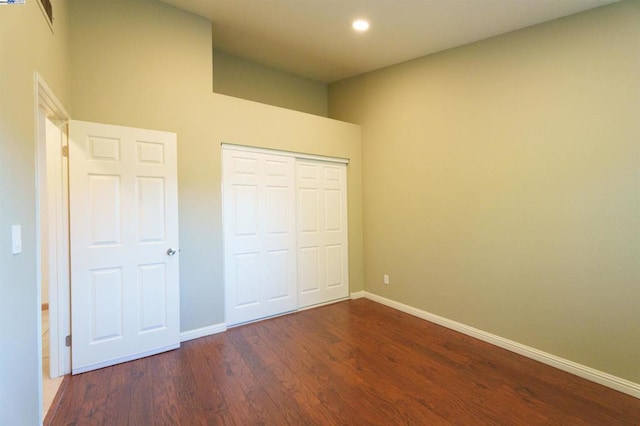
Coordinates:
<point>351,363</point>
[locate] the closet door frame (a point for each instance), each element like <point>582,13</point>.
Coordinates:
<point>293,154</point>
<point>229,317</point>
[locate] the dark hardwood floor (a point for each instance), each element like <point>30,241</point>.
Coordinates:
<point>351,363</point>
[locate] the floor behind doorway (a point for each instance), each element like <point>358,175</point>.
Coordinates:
<point>49,386</point>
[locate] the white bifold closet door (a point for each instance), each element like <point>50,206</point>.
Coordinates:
<point>323,273</point>
<point>285,233</point>
<point>259,235</point>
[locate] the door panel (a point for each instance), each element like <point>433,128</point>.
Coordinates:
<point>104,213</point>
<point>308,272</point>
<point>106,304</point>
<point>333,210</point>
<point>259,235</point>
<point>322,232</point>
<point>150,209</point>
<point>335,267</point>
<point>124,217</point>
<point>247,279</point>
<point>308,205</point>
<point>152,282</point>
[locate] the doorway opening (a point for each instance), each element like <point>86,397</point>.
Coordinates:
<point>52,241</point>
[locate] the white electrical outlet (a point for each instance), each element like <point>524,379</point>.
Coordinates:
<point>385,279</point>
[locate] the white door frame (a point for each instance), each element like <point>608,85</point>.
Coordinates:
<point>47,106</point>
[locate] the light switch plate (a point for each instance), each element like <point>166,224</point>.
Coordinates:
<point>16,239</point>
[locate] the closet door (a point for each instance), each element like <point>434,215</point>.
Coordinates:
<point>259,235</point>
<point>323,273</point>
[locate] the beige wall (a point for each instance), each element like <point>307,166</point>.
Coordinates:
<point>501,185</point>
<point>27,44</point>
<point>235,76</point>
<point>148,65</point>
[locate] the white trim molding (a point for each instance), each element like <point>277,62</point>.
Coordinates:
<point>270,151</point>
<point>358,295</point>
<point>47,100</point>
<point>202,332</point>
<point>605,379</point>
<point>46,105</point>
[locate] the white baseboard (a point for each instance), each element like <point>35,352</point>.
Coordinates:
<point>605,379</point>
<point>358,295</point>
<point>203,332</point>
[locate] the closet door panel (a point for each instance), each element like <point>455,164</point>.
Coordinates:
<point>259,235</point>
<point>308,265</point>
<point>322,232</point>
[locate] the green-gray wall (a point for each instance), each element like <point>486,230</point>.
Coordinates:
<point>239,77</point>
<point>501,185</point>
<point>27,44</point>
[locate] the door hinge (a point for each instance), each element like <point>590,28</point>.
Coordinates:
<point>67,341</point>
<point>65,151</point>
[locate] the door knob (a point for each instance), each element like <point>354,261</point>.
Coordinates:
<point>171,252</point>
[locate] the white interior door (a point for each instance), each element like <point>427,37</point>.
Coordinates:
<point>124,221</point>
<point>259,235</point>
<point>322,235</point>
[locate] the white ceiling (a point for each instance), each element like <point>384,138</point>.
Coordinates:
<point>313,38</point>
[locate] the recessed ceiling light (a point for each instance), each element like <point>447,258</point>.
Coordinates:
<point>360,25</point>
